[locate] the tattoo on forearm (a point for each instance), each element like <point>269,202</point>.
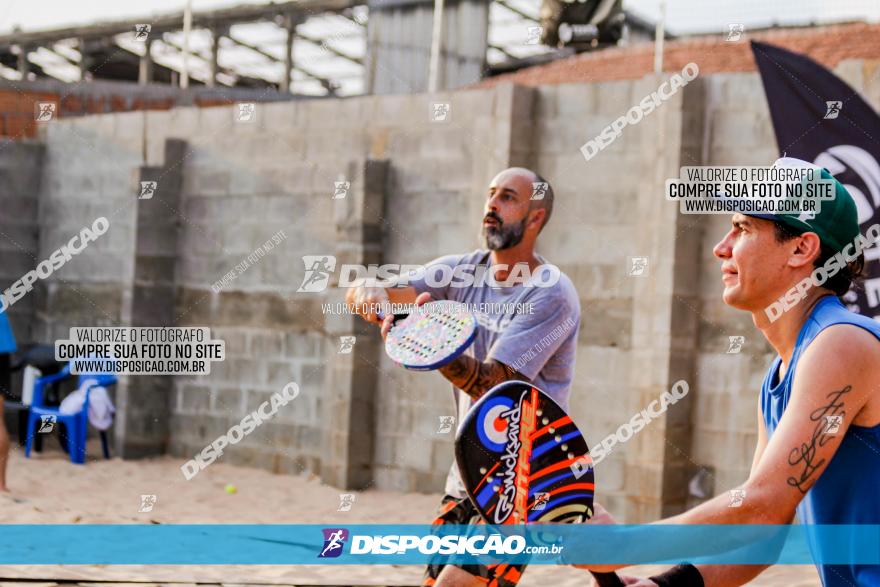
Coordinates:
<point>804,457</point>
<point>475,377</point>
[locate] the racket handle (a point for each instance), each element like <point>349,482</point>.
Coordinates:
<point>381,316</point>
<point>607,579</point>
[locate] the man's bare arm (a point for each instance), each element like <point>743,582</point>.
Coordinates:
<point>475,377</point>
<point>732,575</point>
<point>836,377</point>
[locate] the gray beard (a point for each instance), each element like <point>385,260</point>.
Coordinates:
<point>497,239</point>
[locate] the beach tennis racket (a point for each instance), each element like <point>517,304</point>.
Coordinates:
<point>522,459</point>
<point>431,336</point>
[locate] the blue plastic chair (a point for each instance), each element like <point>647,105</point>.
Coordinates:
<point>77,425</point>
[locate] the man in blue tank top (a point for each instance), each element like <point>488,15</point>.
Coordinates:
<point>818,450</point>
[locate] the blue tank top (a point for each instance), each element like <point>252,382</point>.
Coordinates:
<point>848,492</point>
<point>7,339</point>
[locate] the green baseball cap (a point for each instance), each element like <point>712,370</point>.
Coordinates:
<point>837,221</point>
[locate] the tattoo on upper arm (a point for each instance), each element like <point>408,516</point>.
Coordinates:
<point>475,377</point>
<point>804,457</point>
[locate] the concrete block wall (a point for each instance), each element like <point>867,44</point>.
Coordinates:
<point>20,176</point>
<point>590,235</point>
<point>725,417</point>
<point>243,182</point>
<point>87,174</point>
<point>360,420</point>
<point>439,176</point>
<point>609,209</point>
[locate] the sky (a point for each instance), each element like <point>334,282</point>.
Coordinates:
<point>683,16</point>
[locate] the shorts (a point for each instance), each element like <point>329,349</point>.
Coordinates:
<point>461,511</point>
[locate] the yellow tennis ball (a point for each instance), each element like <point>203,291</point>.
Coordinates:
<point>230,489</point>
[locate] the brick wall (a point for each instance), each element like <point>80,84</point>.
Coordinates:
<point>18,100</point>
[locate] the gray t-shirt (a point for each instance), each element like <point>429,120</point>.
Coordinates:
<point>530,328</point>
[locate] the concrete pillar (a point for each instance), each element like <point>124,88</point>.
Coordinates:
<point>23,67</point>
<point>666,302</point>
<point>510,131</point>
<point>351,380</point>
<point>290,23</point>
<point>143,409</point>
<point>145,69</point>
<point>216,35</point>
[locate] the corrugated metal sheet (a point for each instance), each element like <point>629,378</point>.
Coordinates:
<point>399,44</point>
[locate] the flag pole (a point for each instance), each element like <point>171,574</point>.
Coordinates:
<point>659,33</point>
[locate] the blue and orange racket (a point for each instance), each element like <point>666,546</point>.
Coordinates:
<point>522,459</point>
<point>431,336</point>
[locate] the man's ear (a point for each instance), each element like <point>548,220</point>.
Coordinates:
<point>808,247</point>
<point>536,218</point>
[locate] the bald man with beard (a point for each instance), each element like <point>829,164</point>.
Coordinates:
<point>522,299</point>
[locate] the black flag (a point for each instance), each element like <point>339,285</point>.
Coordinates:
<point>818,117</point>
